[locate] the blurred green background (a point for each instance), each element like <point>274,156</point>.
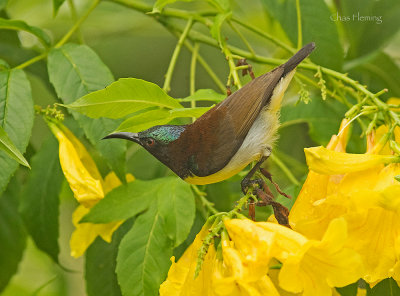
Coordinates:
<point>133,44</point>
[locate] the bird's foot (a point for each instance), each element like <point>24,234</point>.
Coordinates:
<point>265,196</point>
<point>247,184</point>
<point>269,177</point>
<point>281,213</point>
<point>246,70</point>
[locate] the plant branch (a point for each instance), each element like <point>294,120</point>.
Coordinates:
<point>75,18</point>
<point>205,202</point>
<point>77,24</point>
<point>299,29</point>
<point>241,36</point>
<point>175,55</point>
<point>201,60</point>
<point>264,35</point>
<point>63,40</point>
<point>285,169</point>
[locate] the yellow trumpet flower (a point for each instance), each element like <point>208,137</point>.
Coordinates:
<point>365,194</point>
<point>88,187</point>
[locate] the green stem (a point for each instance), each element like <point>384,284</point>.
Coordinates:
<point>285,169</point>
<point>193,72</point>
<point>244,40</point>
<point>199,37</point>
<point>193,75</point>
<point>64,39</point>
<point>264,35</point>
<point>232,67</point>
<point>75,18</point>
<point>175,55</point>
<point>206,203</point>
<point>32,61</point>
<point>201,60</point>
<point>299,30</point>
<point>77,24</point>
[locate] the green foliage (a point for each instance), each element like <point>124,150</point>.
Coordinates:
<point>158,117</point>
<point>204,95</point>
<point>124,97</point>
<point>124,202</point>
<point>16,117</point>
<point>76,70</point>
<point>215,29</point>
<point>350,290</point>
<point>387,287</point>
<point>56,6</point>
<point>161,213</point>
<point>8,147</point>
<point>100,264</point>
<point>361,32</point>
<point>177,209</point>
<point>316,26</point>
<point>143,257</point>
<point>12,235</point>
<point>22,26</point>
<point>39,205</point>
<point>3,4</point>
<point>160,4</point>
<point>321,117</point>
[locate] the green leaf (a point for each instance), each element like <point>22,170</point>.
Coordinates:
<point>176,205</point>
<point>160,4</point>
<point>387,287</point>
<point>124,201</point>
<point>221,5</point>
<point>204,95</point>
<point>76,70</point>
<point>56,6</point>
<point>124,97</point>
<point>215,29</point>
<point>145,120</point>
<point>8,147</point>
<point>22,26</point>
<point>100,264</point>
<point>12,236</point>
<point>143,257</point>
<point>158,117</point>
<point>349,290</point>
<point>366,36</point>
<point>322,117</point>
<point>40,202</point>
<point>3,4</point>
<point>379,72</point>
<point>316,27</point>
<point>16,117</point>
<point>397,177</point>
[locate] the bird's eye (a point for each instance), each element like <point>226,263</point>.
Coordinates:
<point>150,142</point>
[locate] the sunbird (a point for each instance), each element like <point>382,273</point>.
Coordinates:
<point>224,140</point>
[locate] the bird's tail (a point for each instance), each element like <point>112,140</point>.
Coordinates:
<point>297,58</point>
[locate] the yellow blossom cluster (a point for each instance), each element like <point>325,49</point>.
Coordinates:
<point>313,267</point>
<point>363,191</point>
<point>345,225</point>
<point>88,187</point>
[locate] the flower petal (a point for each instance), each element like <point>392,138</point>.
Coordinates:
<point>328,162</point>
<point>321,265</point>
<point>181,281</point>
<point>85,233</point>
<point>373,234</point>
<point>253,243</point>
<point>78,167</point>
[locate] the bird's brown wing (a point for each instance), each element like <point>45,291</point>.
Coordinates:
<point>215,137</point>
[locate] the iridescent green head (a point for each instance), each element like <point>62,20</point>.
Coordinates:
<point>155,139</point>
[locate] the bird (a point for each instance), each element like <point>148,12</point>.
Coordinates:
<point>234,133</point>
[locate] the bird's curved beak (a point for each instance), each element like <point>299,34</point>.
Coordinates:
<point>124,135</point>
